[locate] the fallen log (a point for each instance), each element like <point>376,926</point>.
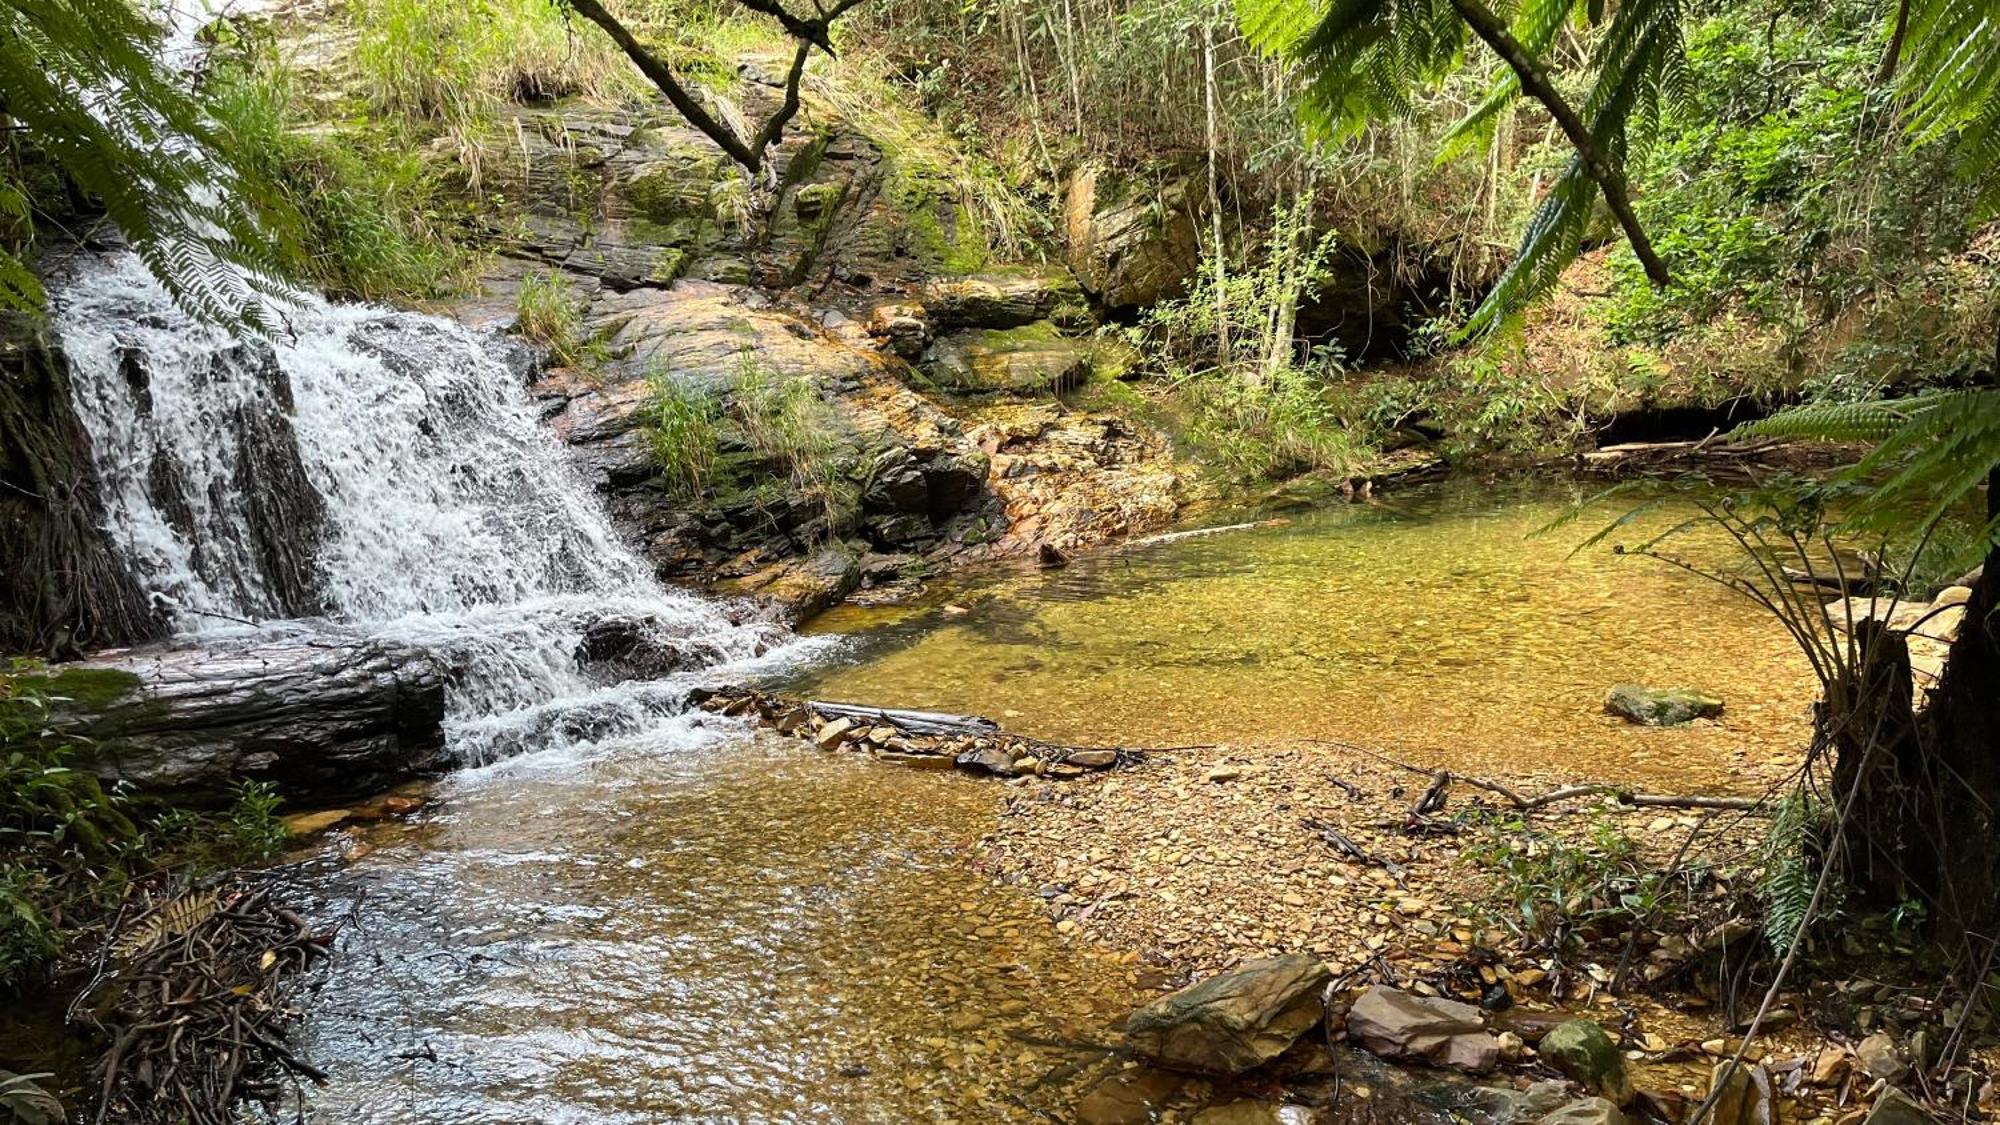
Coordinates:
<point>910,722</point>
<point>320,718</point>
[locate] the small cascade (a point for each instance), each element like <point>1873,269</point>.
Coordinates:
<point>369,470</point>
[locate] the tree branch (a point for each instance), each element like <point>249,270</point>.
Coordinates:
<point>749,153</point>
<point>1535,83</point>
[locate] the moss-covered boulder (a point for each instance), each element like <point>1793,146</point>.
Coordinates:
<point>1033,359</point>
<point>999,299</point>
<point>1581,1050</point>
<point>1660,707</point>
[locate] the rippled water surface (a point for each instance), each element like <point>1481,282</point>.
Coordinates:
<point>694,929</point>
<point>1433,623</point>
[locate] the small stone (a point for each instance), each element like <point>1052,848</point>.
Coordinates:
<point>1880,1058</point>
<point>1830,1068</point>
<point>1224,773</point>
<point>833,734</point>
<point>1895,1107</point>
<point>1743,1095</point>
<point>1092,759</point>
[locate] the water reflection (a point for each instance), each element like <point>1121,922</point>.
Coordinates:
<point>1436,624</point>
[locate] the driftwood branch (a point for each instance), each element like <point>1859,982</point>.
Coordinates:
<point>1621,794</point>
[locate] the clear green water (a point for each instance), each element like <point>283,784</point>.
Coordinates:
<point>1434,624</point>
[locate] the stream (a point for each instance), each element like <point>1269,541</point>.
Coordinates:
<point>620,910</point>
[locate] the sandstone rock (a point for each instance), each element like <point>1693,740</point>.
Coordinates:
<point>1129,246</point>
<point>1747,1095</point>
<point>1586,1111</point>
<point>1397,1025</point>
<point>1830,1067</point>
<point>1034,359</point>
<point>999,299</point>
<point>314,823</point>
<point>1581,1050</point>
<point>1092,759</point>
<point>802,588</point>
<point>1881,1059</point>
<point>1234,1021</point>
<point>1953,595</point>
<point>1133,1096</point>
<point>833,734</point>
<point>1897,1108</point>
<point>1660,707</point>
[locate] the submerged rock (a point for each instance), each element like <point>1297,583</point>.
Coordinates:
<point>1398,1025</point>
<point>1581,1050</point>
<point>1133,1096</point>
<point>1660,707</point>
<point>1258,1113</point>
<point>1586,1111</point>
<point>1230,1023</point>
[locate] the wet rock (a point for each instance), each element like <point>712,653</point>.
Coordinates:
<point>1398,1025</point>
<point>1586,1111</point>
<point>1895,1107</point>
<point>987,759</point>
<point>1747,1096</point>
<point>1660,707</point>
<point>23,1102</point>
<point>1133,1096</point>
<point>1881,1059</point>
<point>833,734</point>
<point>1234,1021</point>
<point>1092,759</point>
<point>1130,244</point>
<point>998,300</point>
<point>1258,1113</point>
<point>628,648</point>
<point>799,589</point>
<point>1524,1107</point>
<point>1034,359</point>
<point>1582,1050</point>
<point>317,717</point>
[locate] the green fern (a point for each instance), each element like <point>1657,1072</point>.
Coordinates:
<point>82,83</point>
<point>1789,876</point>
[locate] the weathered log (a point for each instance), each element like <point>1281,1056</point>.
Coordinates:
<point>911,722</point>
<point>320,717</point>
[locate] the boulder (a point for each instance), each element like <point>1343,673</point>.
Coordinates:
<point>1034,359</point>
<point>616,649</point>
<point>1130,244</point>
<point>1660,707</point>
<point>1581,1050</point>
<point>319,717</point>
<point>1133,1096</point>
<point>998,300</point>
<point>1881,1059</point>
<point>1232,1022</point>
<point>1746,1096</point>
<point>1895,1107</point>
<point>1398,1025</point>
<point>800,589</point>
<point>1524,1107</point>
<point>1586,1111</point>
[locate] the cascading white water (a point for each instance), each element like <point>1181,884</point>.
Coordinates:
<point>370,469</point>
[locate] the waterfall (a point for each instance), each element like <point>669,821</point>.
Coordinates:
<point>368,470</point>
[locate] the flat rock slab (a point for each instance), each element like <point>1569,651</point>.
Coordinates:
<point>1230,1023</point>
<point>1400,1025</point>
<point>320,717</point>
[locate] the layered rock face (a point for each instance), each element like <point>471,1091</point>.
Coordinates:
<point>881,409</point>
